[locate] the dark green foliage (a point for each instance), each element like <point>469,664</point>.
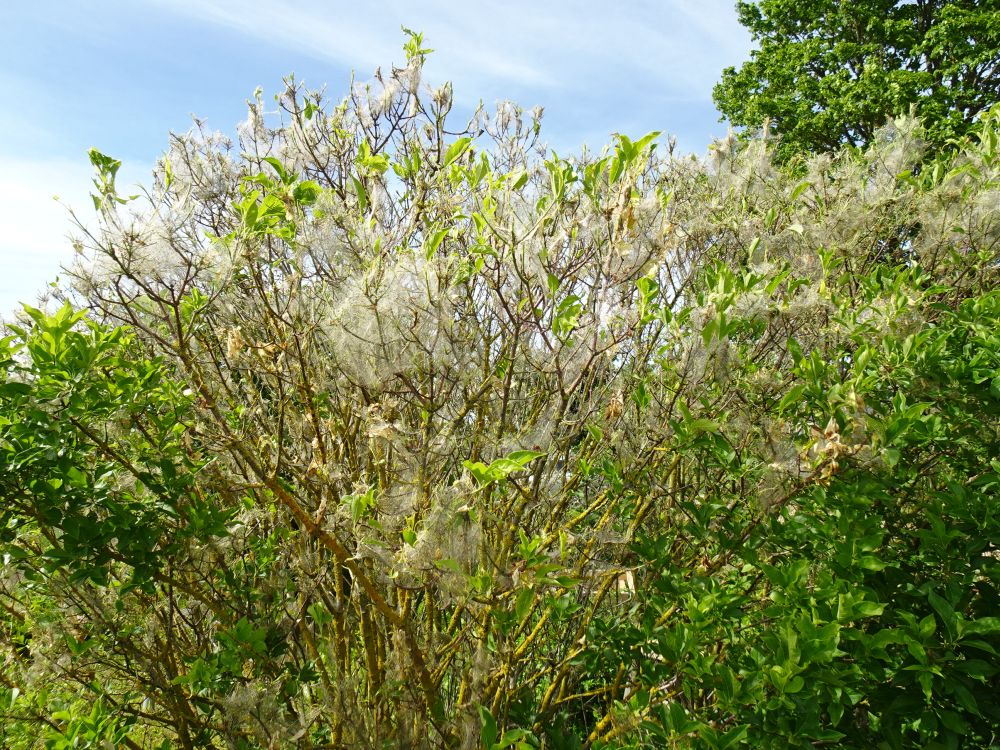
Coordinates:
<point>861,610</point>
<point>828,73</point>
<point>94,463</point>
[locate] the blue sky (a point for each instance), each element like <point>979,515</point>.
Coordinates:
<point>120,74</point>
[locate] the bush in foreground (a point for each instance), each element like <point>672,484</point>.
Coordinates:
<point>378,432</point>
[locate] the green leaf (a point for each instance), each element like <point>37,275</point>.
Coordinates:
<point>646,140</point>
<point>488,728</point>
<point>794,396</point>
<point>735,736</point>
<point>799,190</point>
<point>450,564</point>
<point>702,425</point>
<point>868,609</point>
<point>434,242</point>
<point>982,626</point>
<point>917,651</point>
<point>795,684</point>
<point>870,562</point>
<point>514,737</point>
<point>480,471</point>
<point>14,389</point>
<point>360,505</point>
<point>709,330</point>
<point>503,467</point>
<point>525,598</point>
<point>523,458</point>
<point>455,150</point>
<point>954,722</point>
<point>283,174</point>
<point>307,193</point>
<point>795,350</point>
<point>927,626</point>
<point>980,645</point>
<point>926,680</point>
<point>518,178</point>
<point>361,192</point>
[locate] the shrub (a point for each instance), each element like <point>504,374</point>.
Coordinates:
<point>435,439</point>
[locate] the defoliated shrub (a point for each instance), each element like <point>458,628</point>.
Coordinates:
<point>627,449</point>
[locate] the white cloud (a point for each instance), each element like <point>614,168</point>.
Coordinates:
<point>35,228</point>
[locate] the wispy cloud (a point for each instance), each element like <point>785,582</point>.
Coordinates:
<point>352,34</point>
<point>674,46</point>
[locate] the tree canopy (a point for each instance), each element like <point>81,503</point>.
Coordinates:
<point>828,73</point>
